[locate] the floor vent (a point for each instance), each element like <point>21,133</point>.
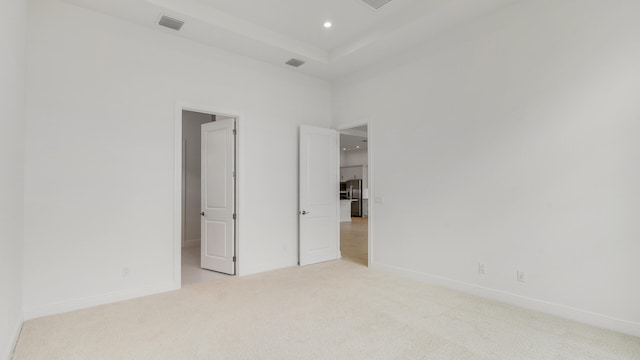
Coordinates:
<point>170,23</point>
<point>376,4</point>
<point>295,62</point>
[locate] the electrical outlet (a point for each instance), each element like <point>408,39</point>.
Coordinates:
<point>125,272</point>
<point>520,276</point>
<point>482,268</point>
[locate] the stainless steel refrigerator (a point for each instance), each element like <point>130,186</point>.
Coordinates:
<point>354,192</point>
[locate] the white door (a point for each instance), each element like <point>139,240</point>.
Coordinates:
<point>217,241</point>
<point>319,237</point>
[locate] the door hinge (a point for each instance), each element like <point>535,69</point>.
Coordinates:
<point>234,259</point>
<point>234,131</point>
<point>234,216</point>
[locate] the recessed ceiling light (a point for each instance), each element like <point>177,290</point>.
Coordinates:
<point>327,24</point>
<point>344,149</point>
<point>357,147</point>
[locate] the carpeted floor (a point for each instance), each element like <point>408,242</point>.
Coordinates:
<point>334,310</point>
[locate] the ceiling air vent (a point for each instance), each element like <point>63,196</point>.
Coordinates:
<point>376,4</point>
<point>170,22</point>
<point>295,62</point>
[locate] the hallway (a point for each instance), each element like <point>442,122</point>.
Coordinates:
<point>354,240</point>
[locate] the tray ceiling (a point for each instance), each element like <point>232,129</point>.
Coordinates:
<point>278,30</point>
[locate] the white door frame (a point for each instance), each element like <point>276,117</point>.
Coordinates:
<point>177,200</point>
<point>371,214</point>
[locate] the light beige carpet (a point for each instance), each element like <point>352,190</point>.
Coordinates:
<point>335,310</point>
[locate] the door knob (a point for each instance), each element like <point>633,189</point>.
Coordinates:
<point>202,213</point>
<point>304,212</point>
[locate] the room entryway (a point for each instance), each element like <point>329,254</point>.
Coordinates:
<point>354,240</point>
<point>208,197</point>
<point>334,195</point>
<point>354,194</point>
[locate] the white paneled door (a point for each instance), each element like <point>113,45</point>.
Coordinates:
<point>217,242</point>
<point>319,195</point>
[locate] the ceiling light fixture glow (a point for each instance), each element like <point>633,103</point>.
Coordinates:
<point>327,24</point>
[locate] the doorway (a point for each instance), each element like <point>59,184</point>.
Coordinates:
<point>207,238</point>
<point>354,194</point>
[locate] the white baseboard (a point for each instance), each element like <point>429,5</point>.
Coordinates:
<point>13,340</point>
<point>90,301</point>
<point>579,315</point>
<point>267,267</point>
<point>190,243</point>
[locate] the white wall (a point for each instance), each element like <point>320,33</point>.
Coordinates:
<point>100,154</point>
<point>354,158</point>
<point>191,125</point>
<point>13,21</point>
<point>517,138</point>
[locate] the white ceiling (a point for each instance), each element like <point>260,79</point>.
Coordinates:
<point>354,138</point>
<point>351,142</point>
<point>302,20</point>
<point>277,30</point>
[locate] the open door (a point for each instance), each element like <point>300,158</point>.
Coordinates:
<point>217,241</point>
<point>319,238</point>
